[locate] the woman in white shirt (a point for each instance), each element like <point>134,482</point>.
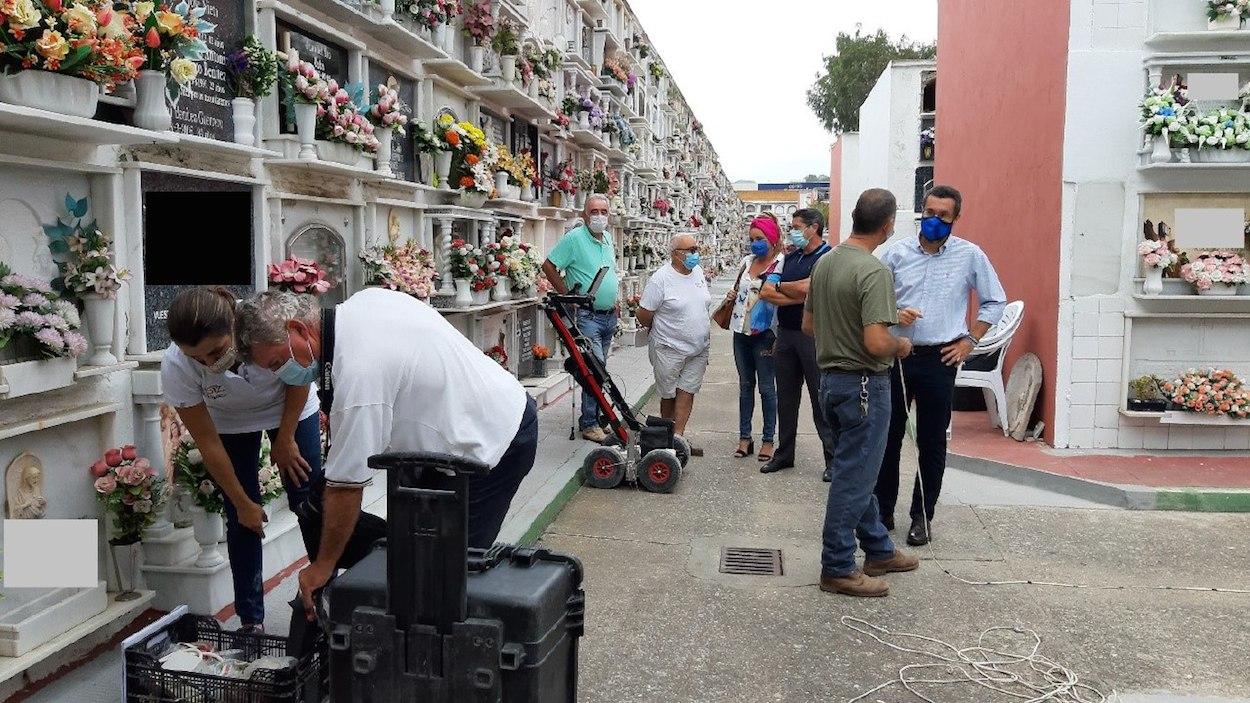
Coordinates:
<point>226,405</point>
<point>753,344</point>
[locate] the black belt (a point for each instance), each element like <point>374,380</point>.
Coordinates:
<point>930,348</point>
<point>861,372</point>
<point>609,311</point>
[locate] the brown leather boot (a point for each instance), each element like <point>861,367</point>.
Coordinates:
<point>856,584</point>
<point>898,561</point>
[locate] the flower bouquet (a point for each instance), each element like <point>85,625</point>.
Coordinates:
<point>269,476</point>
<point>340,120</point>
<point>388,111</point>
<point>1156,254</point>
<point>253,69</point>
<point>499,355</point>
<point>1227,14</point>
<point>407,268</point>
<point>191,475</point>
<point>479,22</point>
<point>172,37</point>
<point>663,206</point>
<point>34,322</point>
<point>85,39</point>
<point>130,489</point>
<point>430,13</point>
<point>84,255</point>
<point>466,261</point>
<point>657,71</point>
<point>1211,392</point>
<point>298,276</point>
<point>301,83</point>
<point>1216,272</point>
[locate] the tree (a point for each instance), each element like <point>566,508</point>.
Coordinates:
<point>822,207</point>
<point>813,178</point>
<point>851,72</point>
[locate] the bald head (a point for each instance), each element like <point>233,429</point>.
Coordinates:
<point>874,214</point>
<point>682,241</point>
<point>680,247</point>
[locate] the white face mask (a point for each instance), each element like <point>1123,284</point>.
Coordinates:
<point>226,362</point>
<point>598,223</point>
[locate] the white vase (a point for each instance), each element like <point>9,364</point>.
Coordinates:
<point>442,167</point>
<point>338,152</point>
<point>579,200</point>
<point>100,318</point>
<point>207,528</point>
<point>477,58</point>
<point>583,119</point>
<point>533,89</point>
<point>54,92</point>
<point>1219,289</point>
<point>388,8</point>
<point>1154,281</point>
<point>1225,23</point>
<point>306,127</point>
<point>126,559</point>
<point>244,113</point>
<point>31,377</point>
<point>151,105</point>
<point>1161,151</point>
<point>501,183</point>
<point>464,296</point>
<point>615,140</point>
<point>1223,156</point>
<point>472,199</point>
<point>527,194</point>
<point>481,297</point>
<point>507,68</point>
<point>439,34</point>
<point>503,288</point>
<point>384,135</point>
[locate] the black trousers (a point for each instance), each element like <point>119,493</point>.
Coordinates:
<point>931,384</point>
<point>794,357</point>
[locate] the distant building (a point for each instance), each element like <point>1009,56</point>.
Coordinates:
<point>781,199</point>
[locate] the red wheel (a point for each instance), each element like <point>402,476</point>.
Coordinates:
<point>604,467</point>
<point>659,471</point>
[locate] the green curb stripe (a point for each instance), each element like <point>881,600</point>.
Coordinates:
<point>1203,501</point>
<point>553,509</point>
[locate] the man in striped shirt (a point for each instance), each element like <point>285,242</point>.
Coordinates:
<point>933,278</point>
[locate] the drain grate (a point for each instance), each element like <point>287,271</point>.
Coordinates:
<point>750,561</point>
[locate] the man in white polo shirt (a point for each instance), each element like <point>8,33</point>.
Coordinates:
<point>674,308</point>
<point>403,380</point>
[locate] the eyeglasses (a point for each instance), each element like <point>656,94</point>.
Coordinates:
<point>688,250</point>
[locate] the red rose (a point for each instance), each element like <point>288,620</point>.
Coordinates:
<point>129,453</point>
<point>113,457</point>
<point>99,469</point>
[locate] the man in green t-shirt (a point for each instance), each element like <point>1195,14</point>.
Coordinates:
<point>849,310</point>
<point>576,260</point>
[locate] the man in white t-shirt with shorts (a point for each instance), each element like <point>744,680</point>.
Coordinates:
<point>674,308</point>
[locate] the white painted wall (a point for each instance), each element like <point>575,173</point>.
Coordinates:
<point>852,180</point>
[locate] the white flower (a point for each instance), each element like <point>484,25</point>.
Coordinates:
<point>194,457</point>
<point>207,487</point>
<point>183,70</point>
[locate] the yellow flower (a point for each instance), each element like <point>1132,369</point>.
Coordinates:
<point>80,20</point>
<point>143,9</point>
<point>183,70</point>
<point>52,46</point>
<point>22,14</point>
<point>169,22</point>
<point>445,120</point>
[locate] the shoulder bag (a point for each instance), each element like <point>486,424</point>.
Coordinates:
<point>725,311</point>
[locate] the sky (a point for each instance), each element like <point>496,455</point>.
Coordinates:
<point>744,67</point>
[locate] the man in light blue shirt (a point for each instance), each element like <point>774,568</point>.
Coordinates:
<point>933,278</point>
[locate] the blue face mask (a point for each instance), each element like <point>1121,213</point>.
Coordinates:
<point>691,260</point>
<point>759,247</point>
<point>934,229</point>
<point>292,374</point>
<point>798,239</point>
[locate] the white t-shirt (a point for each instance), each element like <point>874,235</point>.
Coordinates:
<point>680,305</point>
<point>749,292</point>
<point>405,380</point>
<point>248,400</point>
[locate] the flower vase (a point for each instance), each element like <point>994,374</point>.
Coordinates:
<point>306,127</point>
<point>579,200</point>
<point>501,184</point>
<point>244,113</point>
<point>1224,156</point>
<point>441,35</point>
<point>388,9</point>
<point>556,198</point>
<point>384,135</point>
<point>472,199</point>
<point>503,289</point>
<point>1162,151</point>
<point>527,194</point>
<point>1223,289</point>
<point>464,296</point>
<point>1154,281</point>
<point>534,89</point>
<point>481,297</point>
<point>126,560</point>
<point>442,167</point>
<point>507,68</point>
<point>54,92</point>
<point>151,107</point>
<point>1227,22</point>
<point>583,119</point>
<point>207,528</point>
<point>615,140</point>
<point>99,312</point>
<point>477,58</point>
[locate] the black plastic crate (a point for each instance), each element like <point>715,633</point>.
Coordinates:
<point>147,682</point>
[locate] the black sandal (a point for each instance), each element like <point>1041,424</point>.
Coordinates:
<point>740,454</point>
<point>765,458</point>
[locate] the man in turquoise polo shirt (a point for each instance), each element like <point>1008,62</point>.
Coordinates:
<point>577,259</point>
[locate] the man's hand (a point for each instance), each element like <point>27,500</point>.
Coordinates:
<point>908,316</point>
<point>955,354</point>
<point>904,348</point>
<point>311,578</point>
<point>253,517</point>
<point>285,453</point>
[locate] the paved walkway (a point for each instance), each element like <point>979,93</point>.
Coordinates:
<point>663,625</point>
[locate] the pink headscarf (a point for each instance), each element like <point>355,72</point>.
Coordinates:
<point>770,229</point>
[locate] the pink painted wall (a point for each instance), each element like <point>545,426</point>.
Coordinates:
<point>835,193</point>
<point>1003,66</point>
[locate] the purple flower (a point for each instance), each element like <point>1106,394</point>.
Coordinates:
<point>9,301</point>
<point>55,322</point>
<point>34,300</point>
<point>7,318</point>
<point>29,319</point>
<point>77,344</point>
<point>51,339</point>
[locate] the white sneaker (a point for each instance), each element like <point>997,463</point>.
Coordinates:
<point>594,434</point>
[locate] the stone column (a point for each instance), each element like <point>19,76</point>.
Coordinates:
<point>148,442</point>
<point>443,240</point>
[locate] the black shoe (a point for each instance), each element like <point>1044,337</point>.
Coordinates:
<point>772,468</point>
<point>827,477</point>
<point>920,533</point>
<point>889,523</point>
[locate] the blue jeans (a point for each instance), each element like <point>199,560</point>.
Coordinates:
<point>242,544</point>
<point>859,437</point>
<point>753,355</point>
<point>599,328</point>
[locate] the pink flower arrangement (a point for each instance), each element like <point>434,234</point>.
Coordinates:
<point>129,488</point>
<point>1156,254</point>
<point>1211,392</point>
<point>306,84</point>
<point>30,312</point>
<point>662,205</point>
<point>388,111</point>
<point>1212,267</point>
<point>406,268</point>
<point>299,276</point>
<point>338,120</point>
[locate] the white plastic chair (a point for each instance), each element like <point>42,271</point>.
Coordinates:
<point>997,339</point>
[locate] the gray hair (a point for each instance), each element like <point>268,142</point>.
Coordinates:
<point>262,319</point>
<point>672,243</point>
<point>597,196</point>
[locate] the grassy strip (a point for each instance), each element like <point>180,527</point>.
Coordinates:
<point>1203,501</point>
